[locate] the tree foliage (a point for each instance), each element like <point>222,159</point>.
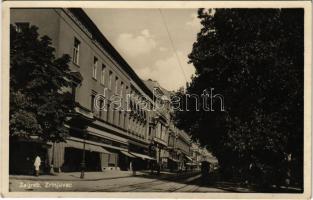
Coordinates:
<point>255,59</point>
<point>39,101</point>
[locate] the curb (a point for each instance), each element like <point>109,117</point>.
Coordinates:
<point>60,179</point>
<point>96,179</point>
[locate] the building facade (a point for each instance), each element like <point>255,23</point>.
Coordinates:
<point>160,135</point>
<point>112,137</point>
<point>196,156</point>
<point>114,127</point>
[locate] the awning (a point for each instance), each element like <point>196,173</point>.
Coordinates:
<point>190,159</point>
<point>88,147</point>
<point>106,135</point>
<point>138,144</point>
<point>174,160</point>
<point>127,154</point>
<point>191,164</point>
<point>142,156</point>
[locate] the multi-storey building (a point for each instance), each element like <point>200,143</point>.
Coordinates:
<point>159,138</point>
<point>120,121</point>
<point>208,157</point>
<point>112,138</point>
<point>173,159</point>
<point>183,148</point>
<point>196,156</point>
<point>173,146</point>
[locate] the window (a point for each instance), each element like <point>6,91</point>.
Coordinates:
<point>92,103</point>
<point>108,112</point>
<point>101,108</point>
<point>95,66</point>
<point>103,74</point>
<point>124,122</point>
<point>116,85</point>
<point>141,130</point>
<point>113,112</point>
<point>76,51</point>
<point>126,90</point>
<point>21,26</point>
<point>119,118</point>
<point>131,105</point>
<point>150,130</point>
<point>126,96</point>
<point>122,88</point>
<point>136,109</point>
<point>110,80</point>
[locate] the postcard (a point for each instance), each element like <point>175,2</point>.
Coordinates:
<point>156,99</point>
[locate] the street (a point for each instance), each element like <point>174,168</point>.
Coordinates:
<point>185,183</point>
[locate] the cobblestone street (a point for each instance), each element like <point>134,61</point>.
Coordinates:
<point>142,182</point>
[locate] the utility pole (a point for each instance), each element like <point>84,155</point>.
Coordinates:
<point>83,163</point>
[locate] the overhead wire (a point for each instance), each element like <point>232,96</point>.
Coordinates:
<point>172,44</point>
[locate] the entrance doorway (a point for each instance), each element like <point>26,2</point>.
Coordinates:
<point>73,159</point>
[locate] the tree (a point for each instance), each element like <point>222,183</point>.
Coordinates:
<point>39,100</point>
<point>254,58</point>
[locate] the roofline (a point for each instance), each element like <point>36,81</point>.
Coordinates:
<point>98,35</point>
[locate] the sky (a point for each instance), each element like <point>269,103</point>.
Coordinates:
<point>141,37</point>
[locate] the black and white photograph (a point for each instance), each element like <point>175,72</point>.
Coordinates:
<point>185,100</point>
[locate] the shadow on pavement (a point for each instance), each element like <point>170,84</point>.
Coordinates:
<point>214,182</point>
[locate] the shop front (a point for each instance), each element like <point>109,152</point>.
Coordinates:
<point>94,155</point>
<point>164,159</point>
<point>173,164</point>
<point>102,151</point>
<point>142,160</point>
<point>188,163</point>
<point>126,160</point>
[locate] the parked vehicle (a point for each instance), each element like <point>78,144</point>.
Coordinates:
<point>205,172</point>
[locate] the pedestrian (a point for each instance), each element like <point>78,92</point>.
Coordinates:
<point>37,164</point>
<point>134,167</point>
<point>151,167</point>
<point>131,165</point>
<point>158,168</point>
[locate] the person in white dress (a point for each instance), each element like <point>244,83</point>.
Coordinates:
<point>37,164</point>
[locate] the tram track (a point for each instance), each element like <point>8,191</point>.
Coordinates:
<point>148,186</point>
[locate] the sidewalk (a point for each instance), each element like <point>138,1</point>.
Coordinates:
<point>93,176</point>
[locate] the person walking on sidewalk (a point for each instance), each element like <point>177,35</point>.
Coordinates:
<point>133,167</point>
<point>158,168</point>
<point>37,164</point>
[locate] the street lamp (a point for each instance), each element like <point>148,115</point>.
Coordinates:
<point>83,163</point>
<point>159,164</point>
<point>52,160</point>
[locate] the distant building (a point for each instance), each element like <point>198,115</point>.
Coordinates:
<point>173,144</point>
<point>173,158</point>
<point>208,157</point>
<point>160,134</point>
<point>196,156</point>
